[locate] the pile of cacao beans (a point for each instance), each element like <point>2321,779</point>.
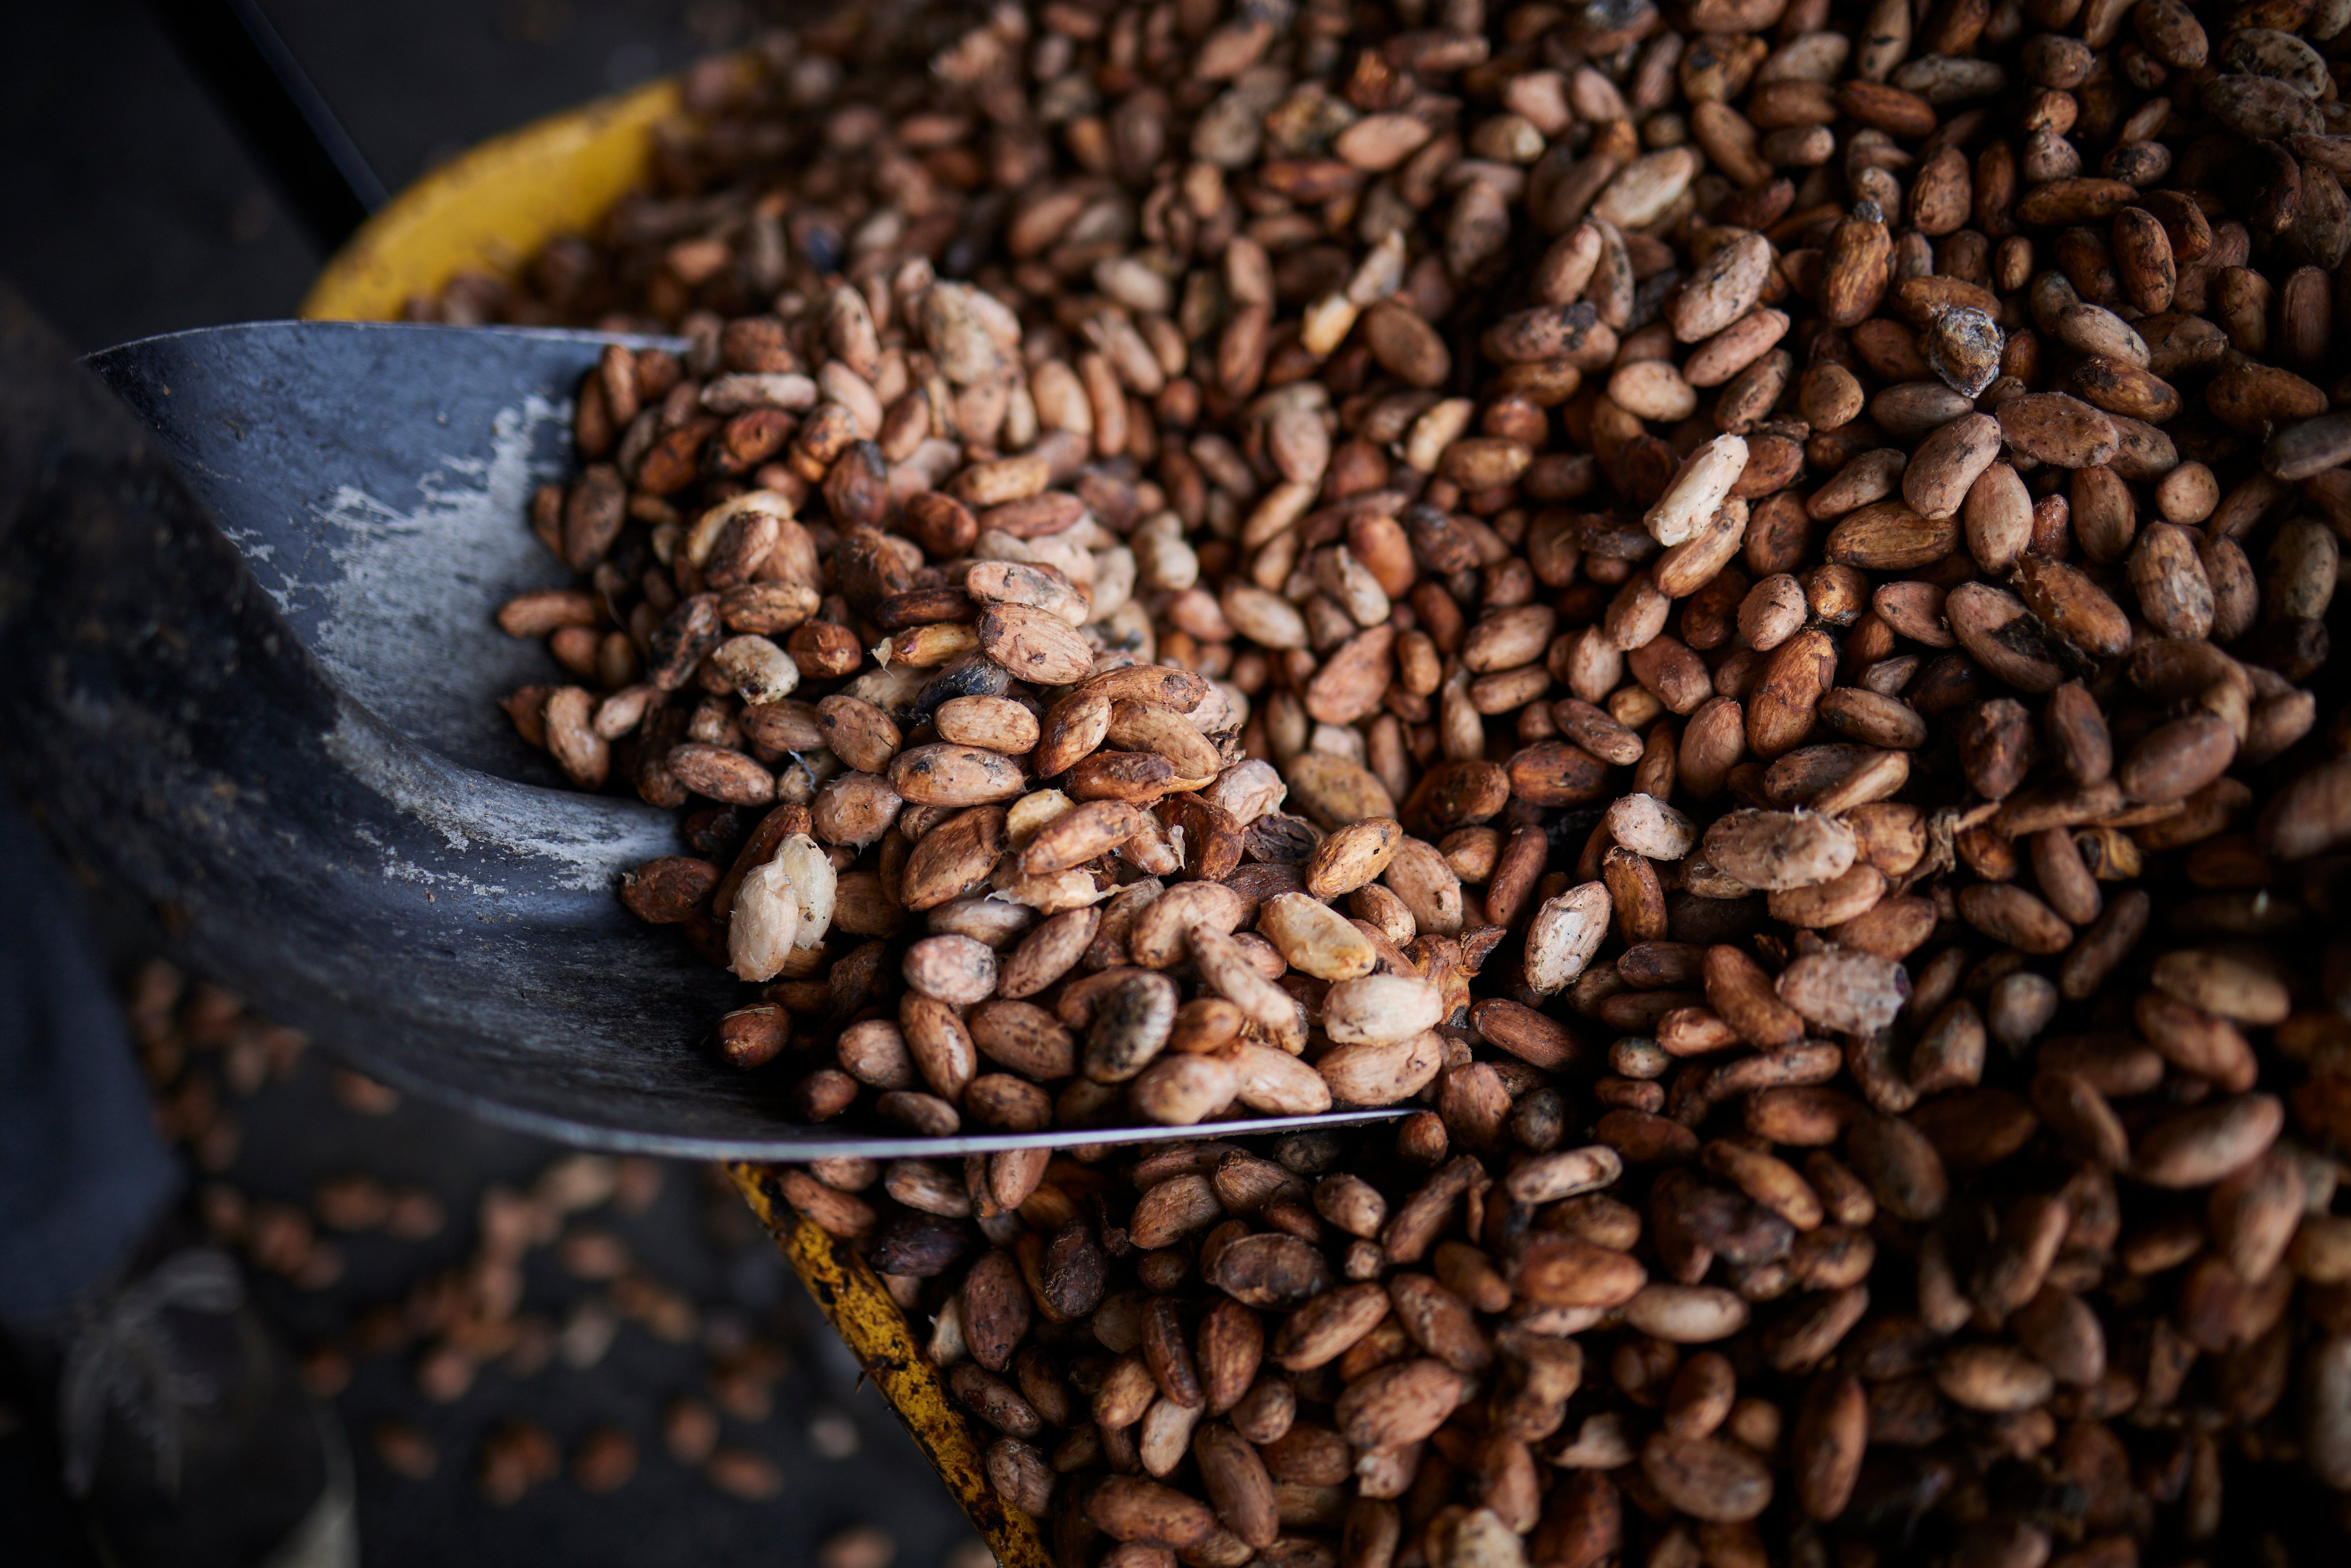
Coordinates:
<point>1725,602</point>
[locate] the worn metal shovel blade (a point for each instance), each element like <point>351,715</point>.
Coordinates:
<point>257,676</point>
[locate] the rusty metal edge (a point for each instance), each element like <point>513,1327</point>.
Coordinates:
<point>860,1309</point>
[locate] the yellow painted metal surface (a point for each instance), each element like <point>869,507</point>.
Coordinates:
<point>489,209</point>
<point>859,1306</point>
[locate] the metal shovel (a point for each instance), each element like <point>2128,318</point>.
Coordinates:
<point>253,678</point>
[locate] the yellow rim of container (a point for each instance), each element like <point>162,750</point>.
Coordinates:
<point>491,208</point>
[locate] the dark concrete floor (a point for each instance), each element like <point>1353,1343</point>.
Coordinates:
<point>131,209</point>
<point>840,1460</point>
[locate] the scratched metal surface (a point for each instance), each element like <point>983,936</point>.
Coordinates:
<point>377,549</point>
